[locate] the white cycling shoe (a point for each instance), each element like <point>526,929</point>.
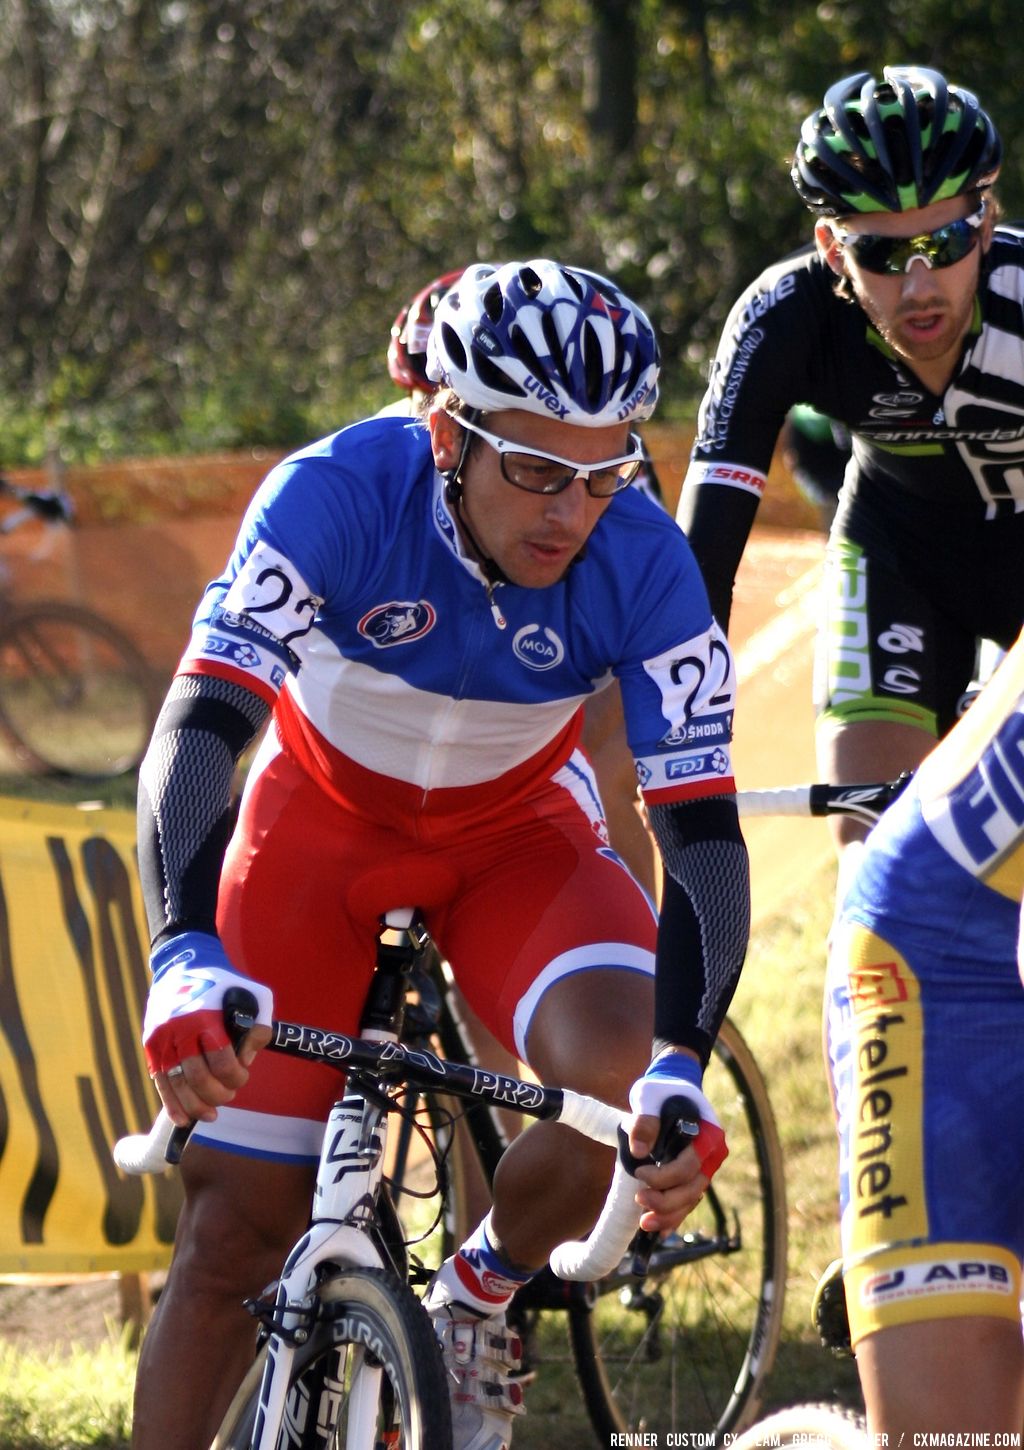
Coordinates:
<point>480,1357</point>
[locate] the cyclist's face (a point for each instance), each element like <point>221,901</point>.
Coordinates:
<point>924,312</point>
<point>533,538</point>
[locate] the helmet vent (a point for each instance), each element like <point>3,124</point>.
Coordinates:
<point>453,348</point>
<point>556,349</point>
<point>527,353</point>
<point>493,377</point>
<point>593,364</point>
<point>574,282</point>
<point>493,303</point>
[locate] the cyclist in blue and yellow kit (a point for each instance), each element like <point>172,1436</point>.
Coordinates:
<point>926,1026</point>
<point>422,608</point>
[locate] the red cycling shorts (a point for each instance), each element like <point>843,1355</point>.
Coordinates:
<point>514,903</point>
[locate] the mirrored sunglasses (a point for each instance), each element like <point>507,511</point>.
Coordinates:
<point>537,472</point>
<point>892,256</point>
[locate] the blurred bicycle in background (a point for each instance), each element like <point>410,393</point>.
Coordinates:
<point>77,698</point>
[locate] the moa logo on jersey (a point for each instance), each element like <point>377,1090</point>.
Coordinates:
<point>538,648</point>
<point>398,622</point>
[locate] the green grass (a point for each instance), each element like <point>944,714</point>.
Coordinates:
<point>778,1008</point>
<point>83,1399</point>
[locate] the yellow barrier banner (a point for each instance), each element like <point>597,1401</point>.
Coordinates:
<point>73,982</point>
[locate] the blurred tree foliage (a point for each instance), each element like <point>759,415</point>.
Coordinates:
<point>211,210</point>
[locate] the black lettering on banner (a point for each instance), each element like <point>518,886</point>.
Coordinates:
<point>43,1182</point>
<point>127,984</point>
<point>110,886</point>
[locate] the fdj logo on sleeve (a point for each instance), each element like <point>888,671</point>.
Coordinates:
<point>685,765</point>
<point>236,650</point>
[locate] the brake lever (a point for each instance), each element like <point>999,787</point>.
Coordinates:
<point>680,1124</point>
<point>240,1008</point>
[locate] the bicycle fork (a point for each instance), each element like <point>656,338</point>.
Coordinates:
<point>349,1175</point>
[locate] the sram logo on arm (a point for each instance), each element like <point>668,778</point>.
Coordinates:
<point>732,475</point>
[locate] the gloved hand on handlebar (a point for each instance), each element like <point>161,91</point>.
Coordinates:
<point>184,1011</point>
<point>675,1074</point>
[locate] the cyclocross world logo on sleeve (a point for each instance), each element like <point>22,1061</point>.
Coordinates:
<point>398,622</point>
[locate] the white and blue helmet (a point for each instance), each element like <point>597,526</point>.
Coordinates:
<point>548,339</point>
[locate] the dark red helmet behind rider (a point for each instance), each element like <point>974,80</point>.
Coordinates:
<point>407,350</point>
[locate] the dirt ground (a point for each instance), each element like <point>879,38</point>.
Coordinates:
<point>52,1318</point>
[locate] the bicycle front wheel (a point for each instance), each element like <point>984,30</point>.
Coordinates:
<point>75,693</point>
<point>688,1347</point>
<point>813,1426</point>
<point>369,1375</point>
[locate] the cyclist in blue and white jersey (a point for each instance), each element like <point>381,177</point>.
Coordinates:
<point>905,323</point>
<point>926,1021</point>
<point>604,734</point>
<point>423,609</point>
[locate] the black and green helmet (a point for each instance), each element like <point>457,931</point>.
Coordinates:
<point>895,144</point>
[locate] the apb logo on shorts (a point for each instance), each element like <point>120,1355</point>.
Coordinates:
<point>537,648</point>
<point>398,622</point>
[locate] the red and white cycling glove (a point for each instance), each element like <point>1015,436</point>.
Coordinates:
<point>184,1011</point>
<point>674,1074</point>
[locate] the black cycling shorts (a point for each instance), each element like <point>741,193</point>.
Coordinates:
<point>908,592</point>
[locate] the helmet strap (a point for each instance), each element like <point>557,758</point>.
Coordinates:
<point>453,494</point>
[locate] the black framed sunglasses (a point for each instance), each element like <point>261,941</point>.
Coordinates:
<point>537,472</point>
<point>892,256</point>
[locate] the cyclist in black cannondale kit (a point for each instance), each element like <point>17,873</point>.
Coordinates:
<point>904,321</point>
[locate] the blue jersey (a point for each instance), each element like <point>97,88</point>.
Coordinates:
<point>403,680</point>
<point>925,1021</point>
<point>947,859</point>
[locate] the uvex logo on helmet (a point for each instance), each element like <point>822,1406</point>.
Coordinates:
<point>546,396</point>
<point>631,404</point>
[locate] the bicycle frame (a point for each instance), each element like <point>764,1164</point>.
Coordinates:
<point>354,1227</point>
<point>345,1219</point>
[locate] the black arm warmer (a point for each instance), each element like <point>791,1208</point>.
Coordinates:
<point>704,923</point>
<point>717,521</point>
<point>185,798</point>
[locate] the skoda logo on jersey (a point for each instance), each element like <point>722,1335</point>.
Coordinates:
<point>709,728</point>
<point>399,622</point>
<point>537,648</point>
